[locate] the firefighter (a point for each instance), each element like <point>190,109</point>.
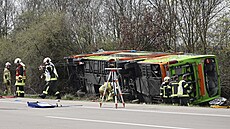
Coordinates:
<point>108,93</point>
<point>183,91</point>
<point>51,76</point>
<point>20,77</point>
<point>174,83</point>
<point>7,79</point>
<point>165,90</point>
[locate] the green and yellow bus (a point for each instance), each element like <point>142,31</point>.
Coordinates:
<point>143,72</point>
<point>202,72</point>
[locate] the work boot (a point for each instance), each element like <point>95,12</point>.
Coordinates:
<point>42,96</point>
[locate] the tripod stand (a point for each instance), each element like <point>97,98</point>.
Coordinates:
<point>113,79</point>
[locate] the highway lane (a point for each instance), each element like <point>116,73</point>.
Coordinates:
<point>15,114</point>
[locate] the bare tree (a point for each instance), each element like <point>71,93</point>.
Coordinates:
<point>193,19</point>
<point>7,13</point>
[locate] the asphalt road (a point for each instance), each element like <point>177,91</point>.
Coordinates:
<point>15,114</point>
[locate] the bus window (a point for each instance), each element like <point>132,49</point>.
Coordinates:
<point>211,78</point>
<point>191,78</point>
<point>156,71</point>
<point>177,70</point>
<point>87,66</point>
<point>189,71</point>
<point>166,67</point>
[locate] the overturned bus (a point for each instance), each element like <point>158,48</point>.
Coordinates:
<point>142,73</point>
<point>201,70</point>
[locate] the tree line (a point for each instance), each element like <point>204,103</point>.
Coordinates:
<point>35,29</point>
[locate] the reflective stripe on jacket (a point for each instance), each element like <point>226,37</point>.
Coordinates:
<point>50,72</point>
<point>174,85</point>
<point>182,92</point>
<point>6,75</point>
<point>20,75</point>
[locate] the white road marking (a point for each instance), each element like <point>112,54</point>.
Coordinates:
<point>136,110</point>
<point>116,122</point>
<point>16,101</point>
<point>154,111</point>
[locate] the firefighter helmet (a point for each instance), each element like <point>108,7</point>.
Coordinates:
<point>166,79</point>
<point>46,60</point>
<point>8,64</point>
<point>17,61</point>
<point>184,76</point>
<point>175,78</point>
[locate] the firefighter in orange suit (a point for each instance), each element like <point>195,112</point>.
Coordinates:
<point>20,77</point>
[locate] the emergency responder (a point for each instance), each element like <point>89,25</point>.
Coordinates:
<point>183,91</point>
<point>20,77</point>
<point>50,74</point>
<point>108,93</point>
<point>7,79</point>
<point>174,86</point>
<point>165,90</point>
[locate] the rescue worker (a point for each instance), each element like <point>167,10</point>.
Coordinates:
<point>183,91</point>
<point>174,83</point>
<point>7,79</point>
<point>20,77</point>
<point>165,90</point>
<point>108,93</point>
<point>51,76</point>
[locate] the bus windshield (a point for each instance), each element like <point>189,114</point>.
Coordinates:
<point>211,77</point>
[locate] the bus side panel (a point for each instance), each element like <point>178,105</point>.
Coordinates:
<point>201,78</point>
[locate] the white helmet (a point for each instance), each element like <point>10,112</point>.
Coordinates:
<point>184,76</point>
<point>17,61</point>
<point>8,64</point>
<point>46,60</point>
<point>166,79</point>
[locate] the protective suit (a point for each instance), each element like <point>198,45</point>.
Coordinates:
<point>51,76</point>
<point>7,78</point>
<point>20,77</point>
<point>109,91</point>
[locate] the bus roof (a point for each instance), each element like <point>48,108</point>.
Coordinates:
<point>138,53</point>
<point>168,58</point>
<point>126,55</point>
<point>102,53</point>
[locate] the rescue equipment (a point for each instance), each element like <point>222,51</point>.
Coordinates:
<point>44,104</point>
<point>40,105</point>
<point>113,79</point>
